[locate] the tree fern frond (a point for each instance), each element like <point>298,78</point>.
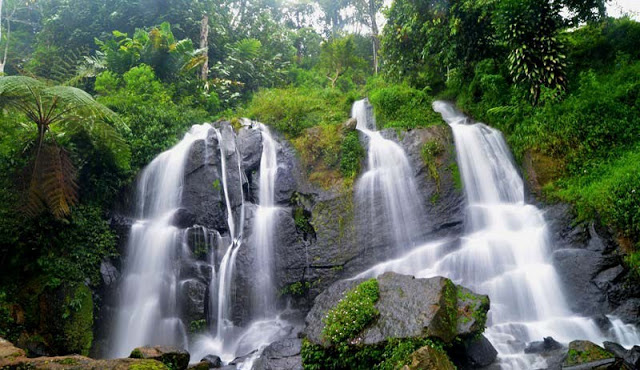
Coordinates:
<point>56,175</point>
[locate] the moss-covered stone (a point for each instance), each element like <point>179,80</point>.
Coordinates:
<point>582,352</point>
<point>429,358</point>
<point>66,319</point>
<point>174,358</point>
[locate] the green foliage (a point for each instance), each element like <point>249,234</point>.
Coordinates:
<point>389,355</point>
<point>54,111</point>
<point>352,155</point>
<point>291,110</point>
<point>529,29</point>
<point>401,106</point>
<point>195,326</point>
<point>147,106</point>
<point>353,313</point>
<point>297,289</point>
<point>77,331</point>
<point>339,59</point>
<point>430,151</point>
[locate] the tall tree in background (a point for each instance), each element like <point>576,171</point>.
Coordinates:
<point>366,12</point>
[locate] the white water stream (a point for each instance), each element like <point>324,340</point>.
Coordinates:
<point>504,253</point>
<point>388,186</point>
<point>147,312</point>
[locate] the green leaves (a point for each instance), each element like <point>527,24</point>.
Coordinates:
<point>59,110</point>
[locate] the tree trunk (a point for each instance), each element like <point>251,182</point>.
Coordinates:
<point>204,36</point>
<point>374,34</point>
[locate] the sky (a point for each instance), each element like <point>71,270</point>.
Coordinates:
<point>617,8</point>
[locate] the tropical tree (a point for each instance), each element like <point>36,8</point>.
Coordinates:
<point>57,113</point>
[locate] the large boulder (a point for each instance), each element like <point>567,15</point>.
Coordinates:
<point>429,358</point>
<point>408,308</point>
<point>281,355</point>
<point>14,358</point>
<point>588,355</point>
<point>174,358</point>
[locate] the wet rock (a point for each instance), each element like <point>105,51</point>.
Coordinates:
<point>429,358</point>
<point>408,308</point>
<point>480,352</point>
<point>281,355</point>
<point>629,311</point>
<point>109,272</point>
<point>546,345</point>
<point>250,145</point>
<point>183,218</point>
<point>350,124</point>
<point>193,300</point>
<point>631,357</point>
<point>213,361</point>
<point>603,322</point>
<point>172,357</point>
<point>202,365</point>
<point>577,268</point>
<point>202,192</point>
<point>585,353</point>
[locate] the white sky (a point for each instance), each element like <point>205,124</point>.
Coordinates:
<point>617,8</point>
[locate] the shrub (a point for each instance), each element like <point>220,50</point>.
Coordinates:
<point>401,106</point>
<point>352,155</point>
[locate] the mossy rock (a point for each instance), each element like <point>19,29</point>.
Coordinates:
<point>174,358</point>
<point>583,352</point>
<point>429,358</point>
<point>66,319</point>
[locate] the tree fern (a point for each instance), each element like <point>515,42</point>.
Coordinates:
<point>62,109</point>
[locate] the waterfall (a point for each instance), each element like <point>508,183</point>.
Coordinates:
<point>505,253</point>
<point>226,340</point>
<point>147,311</point>
<point>386,192</point>
<point>264,292</point>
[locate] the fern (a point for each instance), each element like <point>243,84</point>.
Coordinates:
<point>66,109</point>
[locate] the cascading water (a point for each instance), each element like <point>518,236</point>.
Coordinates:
<point>504,253</point>
<point>387,187</point>
<point>229,341</point>
<point>148,305</point>
<point>264,292</point>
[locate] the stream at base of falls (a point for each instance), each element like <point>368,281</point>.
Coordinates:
<point>504,253</point>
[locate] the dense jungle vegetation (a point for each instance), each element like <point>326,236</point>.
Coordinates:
<point>93,90</point>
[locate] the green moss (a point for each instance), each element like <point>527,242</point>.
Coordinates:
<point>136,353</point>
<point>587,353</point>
<point>352,314</point>
<point>148,365</point>
<point>197,326</point>
<point>78,323</point>
<point>67,361</point>
<point>430,151</point>
<point>216,185</point>
<point>297,289</point>
<point>455,175</point>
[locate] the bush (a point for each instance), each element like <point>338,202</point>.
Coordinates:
<point>292,110</point>
<point>401,106</point>
<point>352,155</point>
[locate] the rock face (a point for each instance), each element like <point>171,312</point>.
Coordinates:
<point>595,279</point>
<point>409,308</point>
